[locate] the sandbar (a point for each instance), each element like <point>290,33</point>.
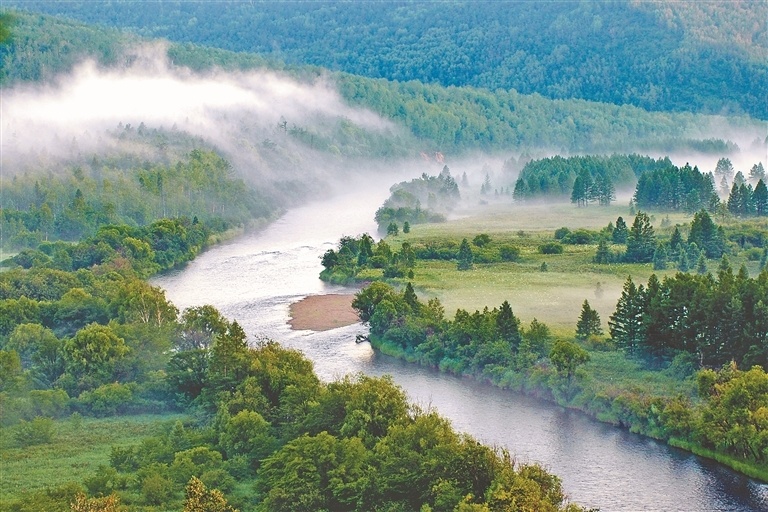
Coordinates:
<point>323,312</point>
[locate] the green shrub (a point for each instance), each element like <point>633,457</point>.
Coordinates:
<point>38,431</point>
<point>107,400</point>
<point>551,248</point>
<point>580,237</point>
<point>509,253</point>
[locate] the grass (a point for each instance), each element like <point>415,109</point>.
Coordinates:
<point>78,449</point>
<point>554,297</point>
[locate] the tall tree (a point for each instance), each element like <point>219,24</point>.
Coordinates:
<point>620,232</point>
<point>757,172</point>
<point>589,323</point>
<point>724,169</point>
<point>465,258</point>
<point>641,240</point>
<point>508,325</point>
<point>626,323</point>
<point>706,235</point>
<point>760,199</point>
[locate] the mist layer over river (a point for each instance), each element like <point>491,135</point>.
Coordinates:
<point>255,278</point>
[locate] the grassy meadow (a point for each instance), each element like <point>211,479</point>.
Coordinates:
<point>79,447</point>
<point>554,296</point>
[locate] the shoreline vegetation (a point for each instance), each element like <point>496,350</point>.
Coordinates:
<point>670,366</point>
<point>539,389</point>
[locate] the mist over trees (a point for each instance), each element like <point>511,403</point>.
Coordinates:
<point>663,57</point>
<point>456,119</point>
<point>584,178</point>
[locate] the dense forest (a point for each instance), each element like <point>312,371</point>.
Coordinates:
<point>435,118</point>
<point>558,176</point>
<point>47,207</point>
<point>665,56</point>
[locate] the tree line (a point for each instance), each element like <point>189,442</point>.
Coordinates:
<point>585,178</point>
<point>718,318</point>
<point>723,415</point>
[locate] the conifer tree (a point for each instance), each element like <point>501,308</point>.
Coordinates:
<point>760,199</point>
<point>409,296</point>
<point>589,323</point>
<point>620,232</point>
<point>701,265</point>
<point>508,325</point>
<point>641,240</point>
<point>626,323</point>
<point>465,258</point>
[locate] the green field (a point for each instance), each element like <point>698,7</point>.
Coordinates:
<point>79,447</point>
<point>555,296</point>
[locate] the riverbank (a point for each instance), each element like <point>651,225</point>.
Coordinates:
<point>638,414</point>
<point>322,312</point>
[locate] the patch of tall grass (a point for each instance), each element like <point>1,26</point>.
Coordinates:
<point>79,446</point>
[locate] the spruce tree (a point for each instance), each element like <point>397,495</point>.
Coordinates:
<point>626,323</point>
<point>701,265</point>
<point>620,232</point>
<point>641,240</point>
<point>465,258</point>
<point>589,323</point>
<point>760,199</point>
<point>508,325</point>
<point>410,298</point>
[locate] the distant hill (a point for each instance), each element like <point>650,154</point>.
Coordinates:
<point>435,118</point>
<point>706,57</point>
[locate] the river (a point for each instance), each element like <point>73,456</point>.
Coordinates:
<point>255,278</point>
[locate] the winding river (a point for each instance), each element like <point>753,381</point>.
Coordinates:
<point>255,278</point>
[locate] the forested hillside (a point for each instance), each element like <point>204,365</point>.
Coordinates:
<point>666,56</point>
<point>448,119</point>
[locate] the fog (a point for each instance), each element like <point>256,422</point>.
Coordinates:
<point>255,119</point>
<point>286,137</point>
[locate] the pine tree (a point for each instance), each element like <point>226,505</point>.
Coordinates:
<point>701,265</point>
<point>641,240</point>
<point>626,323</point>
<point>724,169</point>
<point>706,235</point>
<point>410,298</point>
<point>508,325</point>
<point>589,323</point>
<point>620,232</point>
<point>760,198</point>
<point>675,244</point>
<point>604,191</point>
<point>757,172</point>
<point>465,258</point>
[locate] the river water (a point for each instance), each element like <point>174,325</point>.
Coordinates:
<point>253,279</point>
